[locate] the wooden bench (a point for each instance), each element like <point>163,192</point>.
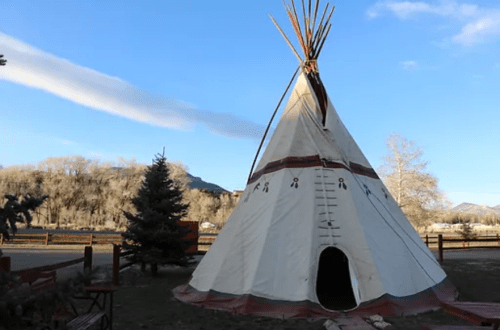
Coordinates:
<point>39,281</point>
<point>479,313</point>
<point>85,321</point>
<point>98,295</point>
<point>90,316</point>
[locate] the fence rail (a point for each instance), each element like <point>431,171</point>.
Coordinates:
<point>30,275</point>
<point>455,242</point>
<point>432,241</point>
<point>33,274</point>
<point>61,239</point>
<point>203,242</point>
<point>204,239</point>
<point>438,242</point>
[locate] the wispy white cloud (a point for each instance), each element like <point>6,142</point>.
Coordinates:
<point>479,30</point>
<point>34,68</point>
<point>409,65</point>
<point>479,24</point>
<point>408,9</point>
<point>65,142</point>
<point>402,9</point>
<point>412,65</point>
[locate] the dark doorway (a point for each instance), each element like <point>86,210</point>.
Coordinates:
<point>333,284</point>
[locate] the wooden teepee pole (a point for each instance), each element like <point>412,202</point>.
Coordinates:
<point>315,15</point>
<point>270,121</point>
<point>294,19</point>
<point>288,41</point>
<point>310,34</point>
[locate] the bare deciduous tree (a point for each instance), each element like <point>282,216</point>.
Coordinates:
<point>404,173</point>
<point>88,194</point>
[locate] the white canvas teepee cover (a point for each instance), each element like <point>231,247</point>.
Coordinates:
<point>314,194</point>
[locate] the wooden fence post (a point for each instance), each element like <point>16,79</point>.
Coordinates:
<point>5,264</point>
<point>87,263</point>
<point>47,238</point>
<point>91,239</point>
<point>427,240</point>
<point>116,264</point>
<point>440,247</point>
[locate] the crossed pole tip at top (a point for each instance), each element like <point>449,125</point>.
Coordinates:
<point>311,36</point>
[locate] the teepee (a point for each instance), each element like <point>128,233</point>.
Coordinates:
<point>316,231</point>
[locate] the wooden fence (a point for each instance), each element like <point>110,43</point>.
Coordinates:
<point>438,242</point>
<point>61,239</point>
<point>32,274</point>
<point>204,240</point>
<point>442,243</point>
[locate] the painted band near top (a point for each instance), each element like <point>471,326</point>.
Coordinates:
<point>311,161</point>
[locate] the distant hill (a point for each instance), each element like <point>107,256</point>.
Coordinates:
<point>197,183</point>
<point>477,209</point>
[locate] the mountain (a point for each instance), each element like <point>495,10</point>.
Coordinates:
<point>477,209</point>
<point>197,183</point>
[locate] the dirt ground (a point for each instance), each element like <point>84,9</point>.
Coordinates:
<point>145,302</point>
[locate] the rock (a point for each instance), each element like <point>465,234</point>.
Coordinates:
<point>376,318</point>
<point>331,325</point>
<point>382,325</point>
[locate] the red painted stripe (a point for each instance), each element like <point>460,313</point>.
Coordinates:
<point>386,305</point>
<point>311,161</point>
<point>362,170</point>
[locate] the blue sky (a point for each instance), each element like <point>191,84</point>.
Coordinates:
<point>108,79</point>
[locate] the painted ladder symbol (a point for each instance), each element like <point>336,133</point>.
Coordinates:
<point>326,201</point>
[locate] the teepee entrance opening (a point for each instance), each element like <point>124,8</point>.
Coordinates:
<point>333,284</point>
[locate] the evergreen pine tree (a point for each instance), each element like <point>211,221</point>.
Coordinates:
<point>15,211</point>
<point>154,235</point>
<point>10,214</point>
<point>466,230</point>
